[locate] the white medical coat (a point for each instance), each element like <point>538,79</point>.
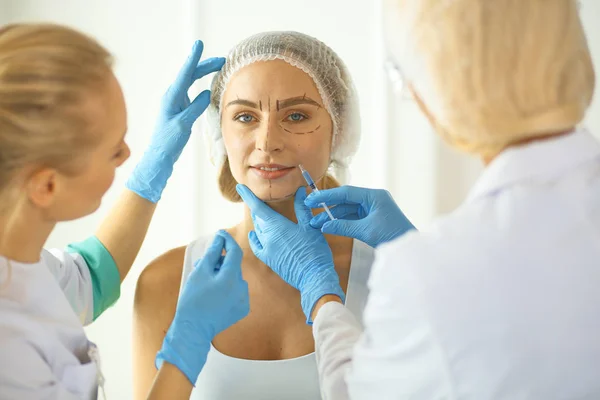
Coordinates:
<point>44,352</point>
<point>498,300</point>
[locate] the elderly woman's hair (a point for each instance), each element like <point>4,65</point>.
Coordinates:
<point>493,73</point>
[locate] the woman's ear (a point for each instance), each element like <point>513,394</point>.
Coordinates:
<point>42,187</point>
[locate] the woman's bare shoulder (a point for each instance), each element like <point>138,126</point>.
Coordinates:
<point>158,284</point>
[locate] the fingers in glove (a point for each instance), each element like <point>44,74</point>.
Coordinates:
<point>208,66</point>
<point>195,110</point>
<point>255,244</point>
<point>232,262</point>
<point>186,73</point>
<point>340,227</point>
<point>303,213</point>
<point>341,195</point>
<point>349,212</point>
<point>210,261</point>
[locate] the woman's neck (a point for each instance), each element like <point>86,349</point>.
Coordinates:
<point>23,233</point>
<point>286,209</point>
<point>283,207</point>
<point>341,247</point>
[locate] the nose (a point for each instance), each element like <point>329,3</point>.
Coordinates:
<point>270,137</point>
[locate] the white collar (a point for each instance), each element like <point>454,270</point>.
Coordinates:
<point>537,160</point>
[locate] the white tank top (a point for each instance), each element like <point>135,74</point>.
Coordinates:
<point>226,378</point>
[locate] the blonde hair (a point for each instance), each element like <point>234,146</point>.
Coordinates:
<point>46,73</point>
<point>493,73</point>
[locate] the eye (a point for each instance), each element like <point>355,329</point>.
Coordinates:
<point>296,117</point>
<point>244,118</point>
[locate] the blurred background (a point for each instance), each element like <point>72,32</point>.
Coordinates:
<point>151,39</point>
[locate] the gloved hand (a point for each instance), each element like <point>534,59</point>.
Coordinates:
<point>299,254</point>
<point>214,297</point>
<point>369,215</point>
<point>177,115</point>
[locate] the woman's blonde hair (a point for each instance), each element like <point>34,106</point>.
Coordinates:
<point>46,72</point>
<point>492,73</point>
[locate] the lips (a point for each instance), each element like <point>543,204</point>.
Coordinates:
<point>271,171</point>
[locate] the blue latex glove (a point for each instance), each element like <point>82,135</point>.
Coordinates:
<point>214,297</point>
<point>369,215</point>
<point>177,115</point>
<point>298,253</point>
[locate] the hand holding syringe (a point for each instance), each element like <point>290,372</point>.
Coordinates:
<point>314,188</point>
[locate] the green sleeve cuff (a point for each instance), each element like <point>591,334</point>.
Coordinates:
<point>106,280</point>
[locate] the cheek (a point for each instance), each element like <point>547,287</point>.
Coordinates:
<point>105,180</point>
<point>237,147</point>
<point>314,153</point>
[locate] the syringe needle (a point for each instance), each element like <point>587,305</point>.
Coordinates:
<point>314,188</point>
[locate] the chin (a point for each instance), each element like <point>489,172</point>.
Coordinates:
<point>277,199</point>
<point>90,210</point>
<point>274,193</point>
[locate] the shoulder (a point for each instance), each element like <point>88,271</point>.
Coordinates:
<point>164,275</point>
<point>157,292</point>
<point>467,254</point>
<point>482,221</point>
<point>460,246</point>
<point>161,275</point>
<point>163,266</point>
<point>58,260</point>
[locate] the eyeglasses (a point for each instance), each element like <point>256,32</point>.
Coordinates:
<point>396,78</point>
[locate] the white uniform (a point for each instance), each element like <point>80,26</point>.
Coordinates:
<point>44,353</point>
<point>226,378</point>
<point>498,300</point>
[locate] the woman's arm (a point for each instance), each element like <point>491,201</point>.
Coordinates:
<point>121,234</point>
<point>170,383</point>
<point>154,307</point>
<point>125,228</point>
<point>91,277</point>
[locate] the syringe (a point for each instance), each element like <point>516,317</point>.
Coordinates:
<point>315,189</point>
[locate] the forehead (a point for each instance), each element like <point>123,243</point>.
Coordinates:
<point>275,79</point>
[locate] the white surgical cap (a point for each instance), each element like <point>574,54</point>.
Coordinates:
<point>317,60</point>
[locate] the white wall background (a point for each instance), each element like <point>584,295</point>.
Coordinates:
<point>151,39</point>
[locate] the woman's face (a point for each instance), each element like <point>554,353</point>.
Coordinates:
<point>273,119</point>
